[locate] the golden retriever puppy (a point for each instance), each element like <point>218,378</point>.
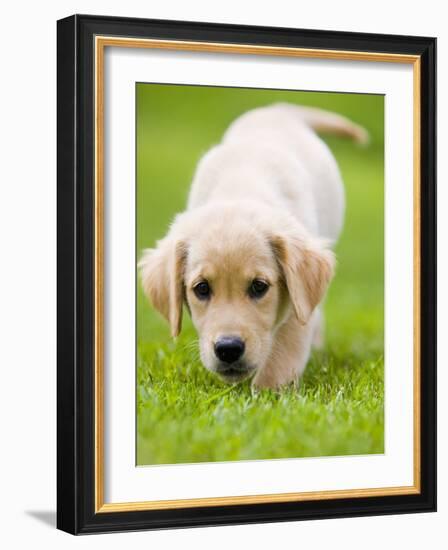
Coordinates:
<point>251,256</point>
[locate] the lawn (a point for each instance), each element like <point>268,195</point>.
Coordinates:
<point>184,413</point>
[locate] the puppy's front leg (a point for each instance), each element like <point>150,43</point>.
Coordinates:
<point>289,355</point>
<point>319,329</point>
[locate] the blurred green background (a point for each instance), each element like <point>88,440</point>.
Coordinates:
<point>339,406</point>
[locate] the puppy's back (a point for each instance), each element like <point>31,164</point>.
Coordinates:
<point>274,154</point>
<point>285,120</point>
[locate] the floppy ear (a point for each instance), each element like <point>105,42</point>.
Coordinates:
<point>307,266</point>
<point>162,275</point>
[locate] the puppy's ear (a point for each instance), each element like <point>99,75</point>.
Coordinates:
<point>162,276</point>
<point>307,266</point>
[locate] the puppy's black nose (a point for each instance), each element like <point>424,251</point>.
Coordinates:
<point>229,349</point>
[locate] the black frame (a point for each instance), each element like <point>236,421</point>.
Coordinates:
<point>75,297</point>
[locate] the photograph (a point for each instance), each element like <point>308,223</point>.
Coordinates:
<point>259,274</point>
<point>246,274</point>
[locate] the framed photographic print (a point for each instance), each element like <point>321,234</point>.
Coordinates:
<point>246,274</point>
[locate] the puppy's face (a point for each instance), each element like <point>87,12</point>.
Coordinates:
<point>236,297</point>
<point>240,280</point>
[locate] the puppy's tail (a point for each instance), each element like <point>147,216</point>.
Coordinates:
<point>331,123</point>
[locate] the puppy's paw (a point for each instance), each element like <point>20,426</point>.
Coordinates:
<point>266,380</point>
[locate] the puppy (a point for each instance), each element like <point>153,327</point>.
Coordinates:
<point>251,256</point>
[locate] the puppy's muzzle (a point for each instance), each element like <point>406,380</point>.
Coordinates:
<point>231,366</point>
<point>229,349</point>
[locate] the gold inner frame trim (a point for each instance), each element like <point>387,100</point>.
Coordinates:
<point>101,42</point>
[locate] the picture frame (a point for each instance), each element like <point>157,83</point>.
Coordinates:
<point>82,41</point>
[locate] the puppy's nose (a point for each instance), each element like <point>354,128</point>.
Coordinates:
<point>229,348</point>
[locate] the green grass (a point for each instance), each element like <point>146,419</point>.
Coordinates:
<point>184,413</point>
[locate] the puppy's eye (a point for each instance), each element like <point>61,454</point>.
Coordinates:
<point>258,288</point>
<point>202,290</point>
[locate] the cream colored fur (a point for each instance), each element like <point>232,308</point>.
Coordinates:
<point>266,203</point>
